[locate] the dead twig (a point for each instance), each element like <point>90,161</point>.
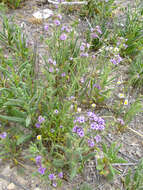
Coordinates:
<point>68,3</point>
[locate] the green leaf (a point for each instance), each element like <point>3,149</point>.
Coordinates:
<point>90,155</point>
<point>28,120</point>
<point>73,172</point>
<point>14,119</point>
<point>128,178</point>
<point>58,163</point>
<point>22,139</point>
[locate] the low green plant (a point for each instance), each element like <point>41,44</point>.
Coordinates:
<point>110,157</point>
<point>12,3</point>
<point>136,72</point>
<point>132,31</point>
<point>102,8</point>
<point>134,178</point>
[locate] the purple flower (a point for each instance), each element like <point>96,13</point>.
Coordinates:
<point>51,70</point>
<point>60,175</point>
<point>54,63</point>
<point>3,135</point>
<point>101,127</point>
<point>97,138</point>
<point>41,170</point>
<point>56,111</point>
<point>74,130</point>
<point>91,143</point>
<point>59,16</point>
<point>97,86</point>
<point>65,28</point>
<point>38,160</point>
<point>81,119</point>
<point>84,54</point>
<point>98,29</point>
<point>101,121</point>
<point>54,184</point>
<point>52,176</point>
<point>50,60</point>
<point>61,126</point>
<point>121,121</point>
<point>94,35</point>
<point>37,125</point>
<point>57,22</point>
<point>93,126</point>
<point>80,133</point>
<point>90,114</point>
<point>119,59</point>
<point>46,27</point>
<point>41,119</point>
<point>95,118</point>
<point>82,48</point>
<point>63,37</point>
<point>63,74</point>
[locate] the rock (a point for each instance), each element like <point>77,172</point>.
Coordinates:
<point>43,14</point>
<point>11,186</point>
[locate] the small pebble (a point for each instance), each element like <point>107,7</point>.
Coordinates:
<point>11,186</point>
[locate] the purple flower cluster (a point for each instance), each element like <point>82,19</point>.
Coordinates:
<point>40,121</point>
<point>38,160</point>
<point>83,47</point>
<point>94,31</point>
<point>66,29</point>
<point>78,130</point>
<point>63,37</point>
<point>116,60</point>
<point>97,122</point>
<point>52,177</point>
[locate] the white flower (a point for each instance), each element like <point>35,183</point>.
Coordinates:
<point>120,95</point>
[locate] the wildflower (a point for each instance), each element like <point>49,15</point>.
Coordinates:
<point>101,127</point>
<point>91,143</point>
<point>63,74</point>
<point>65,28</point>
<point>57,22</point>
<point>56,111</point>
<point>41,170</point>
<point>51,70</point>
<point>54,63</point>
<point>39,137</point>
<point>114,61</point>
<point>63,37</point>
<point>59,16</point>
<point>84,54</point>
<point>119,82</point>
<point>120,95</point>
<point>101,121</point>
<point>79,110</point>
<point>60,175</point>
<point>88,45</point>
<point>41,119</point>
<point>3,135</point>
<point>54,184</point>
<point>80,133</point>
<point>98,29</point>
<point>81,119</point>
<point>46,27</point>
<point>93,125</point>
<point>74,130</point>
<point>97,86</point>
<point>52,176</point>
<point>50,60</point>
<point>61,126</point>
<point>94,35</point>
<point>121,121</point>
<point>82,48</point>
<point>38,160</point>
<point>93,105</point>
<point>97,138</point>
<point>126,102</point>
